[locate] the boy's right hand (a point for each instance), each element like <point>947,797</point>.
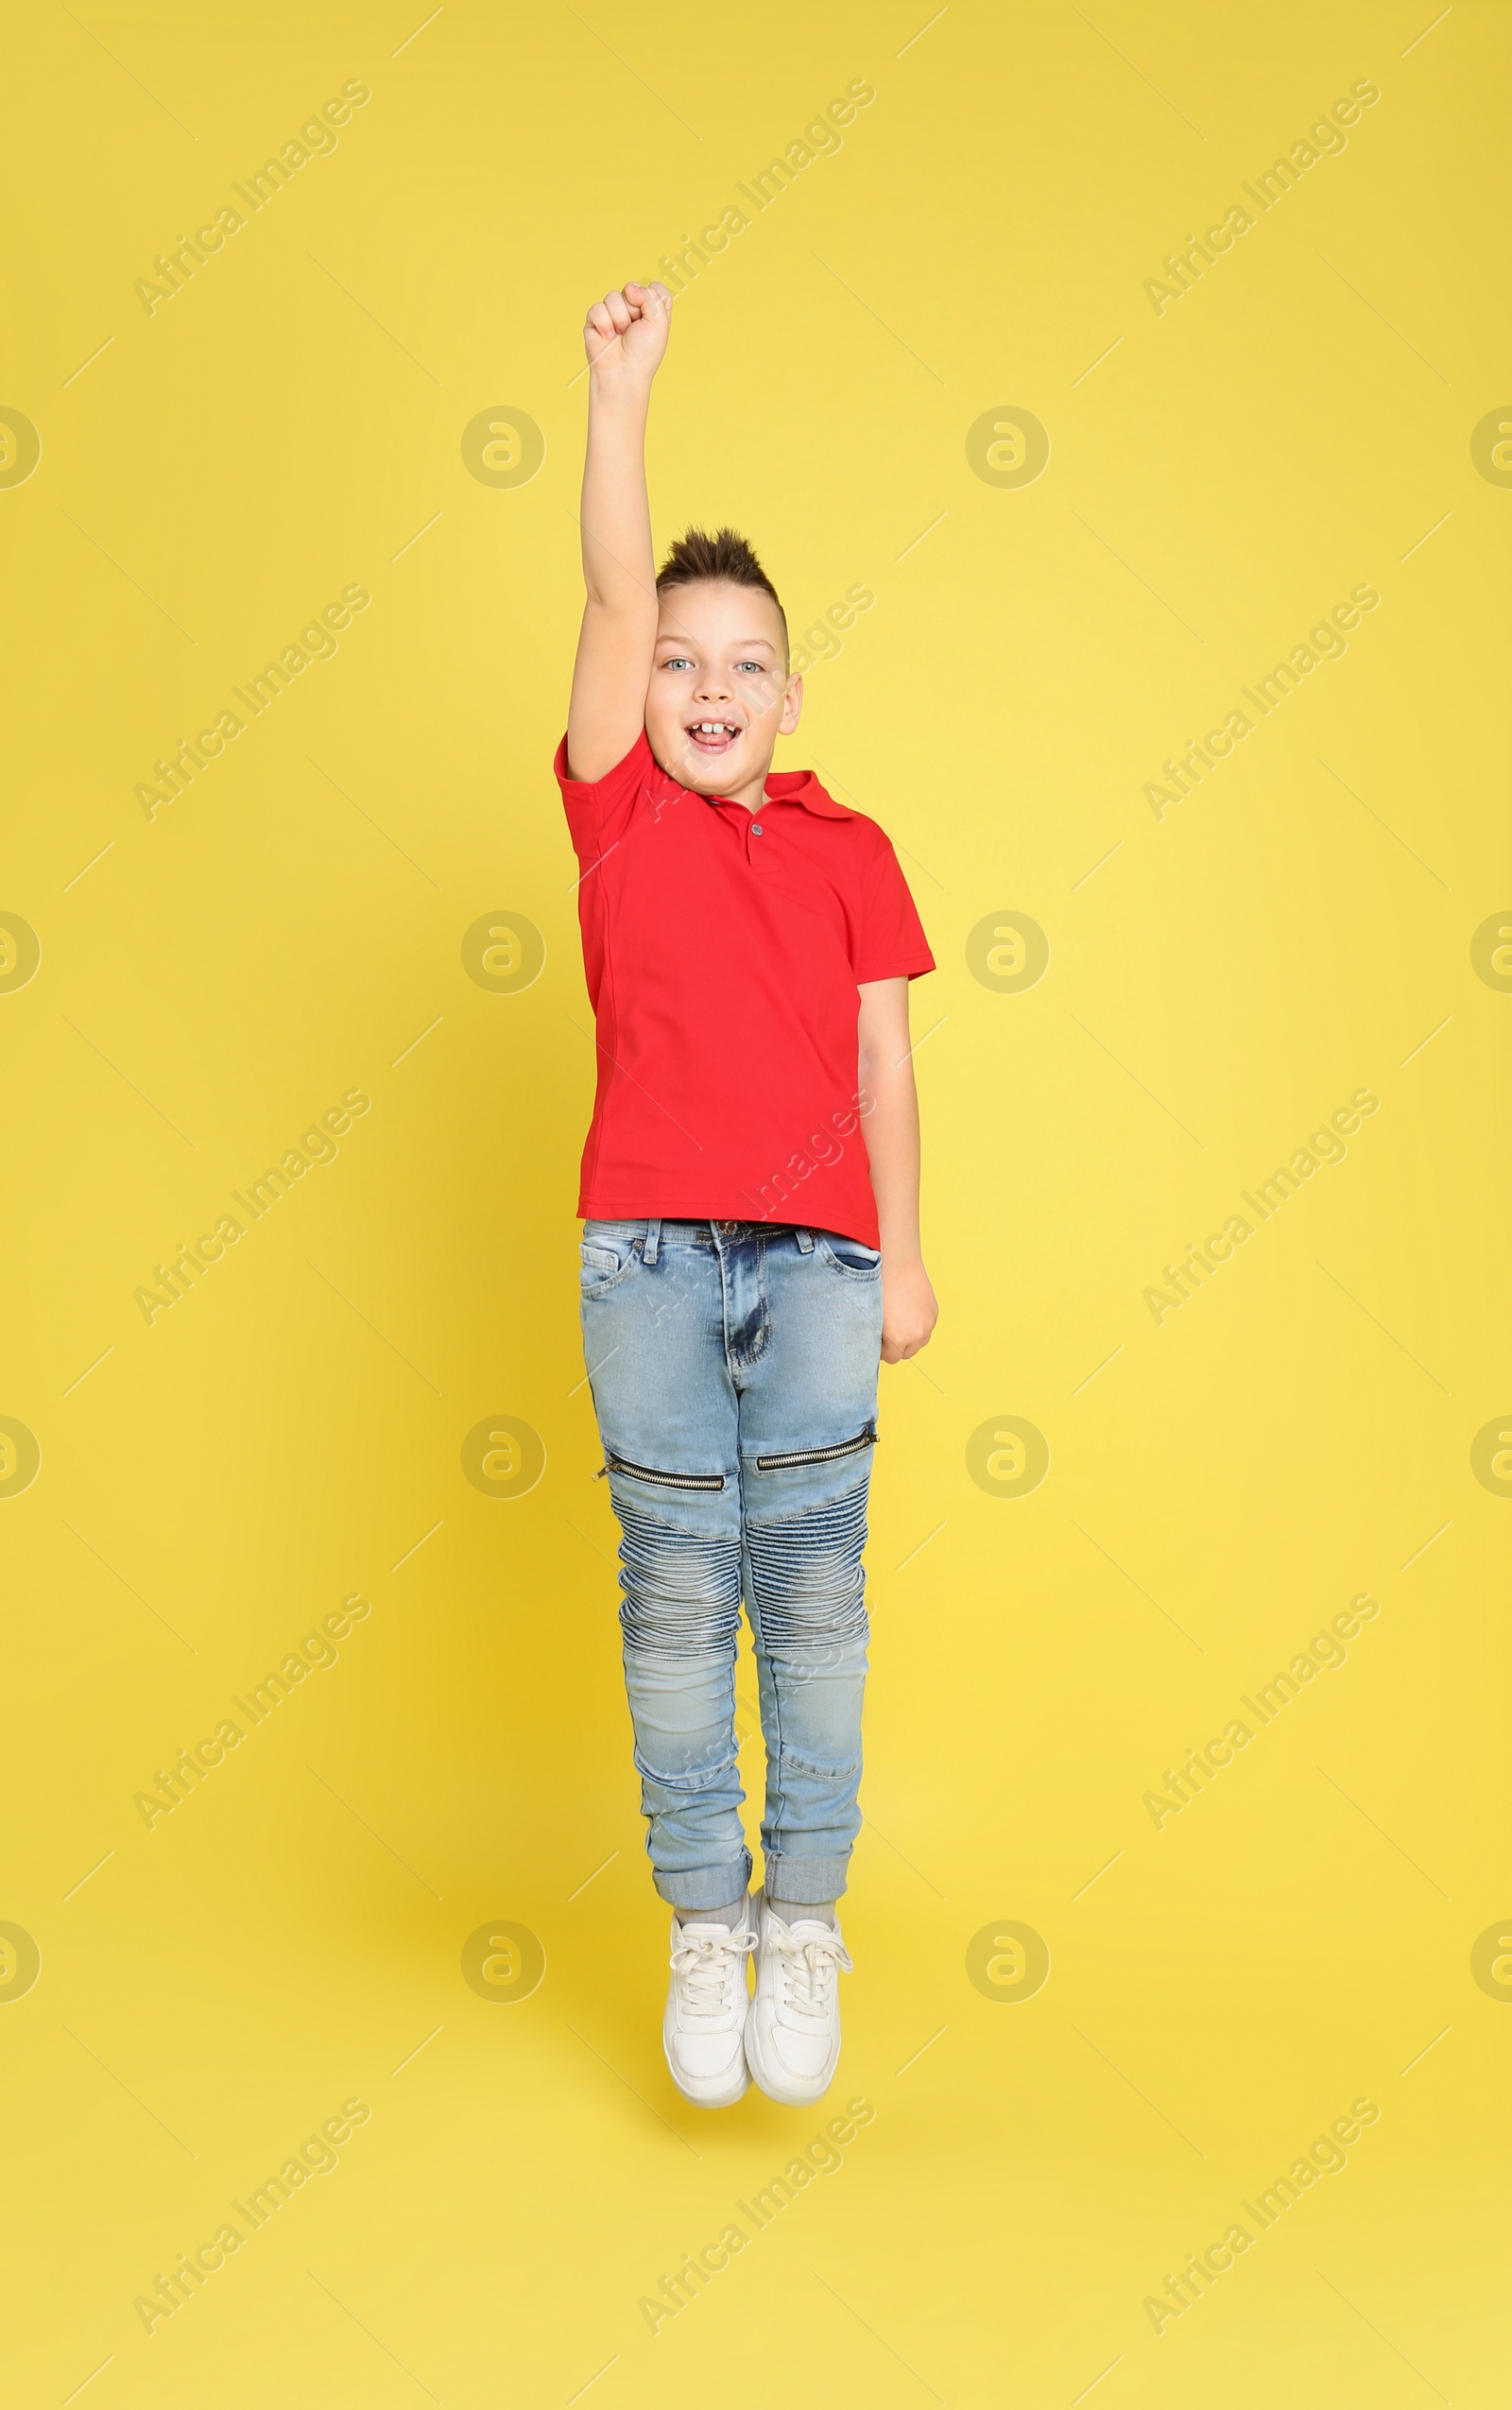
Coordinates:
<point>627,331</point>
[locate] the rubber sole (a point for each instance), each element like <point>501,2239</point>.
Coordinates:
<point>791,2097</point>
<point>726,2100</point>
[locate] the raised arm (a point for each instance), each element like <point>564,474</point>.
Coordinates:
<point>625,336</point>
<point>886,1078</point>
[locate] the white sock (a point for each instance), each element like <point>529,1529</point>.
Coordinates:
<point>728,1917</point>
<point>803,1911</point>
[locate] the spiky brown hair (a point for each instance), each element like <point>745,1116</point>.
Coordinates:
<point>699,558</point>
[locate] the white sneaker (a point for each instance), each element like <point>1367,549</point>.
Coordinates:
<point>792,2033</point>
<point>703,2031</point>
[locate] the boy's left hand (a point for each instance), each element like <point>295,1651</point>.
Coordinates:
<point>909,1311</point>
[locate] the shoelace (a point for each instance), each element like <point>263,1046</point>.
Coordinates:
<point>808,1968</point>
<point>708,1967</point>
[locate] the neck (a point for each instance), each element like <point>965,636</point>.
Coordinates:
<point>753,794</point>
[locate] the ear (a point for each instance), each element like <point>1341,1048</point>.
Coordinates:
<point>792,707</point>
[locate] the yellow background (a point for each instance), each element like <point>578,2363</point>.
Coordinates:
<point>1300,1431</point>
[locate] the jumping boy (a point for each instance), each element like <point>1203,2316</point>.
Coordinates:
<point>750,1254</point>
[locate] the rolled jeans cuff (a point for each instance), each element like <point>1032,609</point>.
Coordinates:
<point>707,1886</point>
<point>805,1882</point>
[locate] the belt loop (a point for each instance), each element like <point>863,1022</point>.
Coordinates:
<point>805,1241</point>
<point>653,1241</point>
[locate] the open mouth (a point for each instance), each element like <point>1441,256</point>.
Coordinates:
<point>712,736</point>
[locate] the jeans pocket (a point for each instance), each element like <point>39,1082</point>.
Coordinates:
<point>602,1263</point>
<point>850,1256</point>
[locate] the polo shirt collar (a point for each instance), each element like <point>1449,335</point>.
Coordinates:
<point>801,786</point>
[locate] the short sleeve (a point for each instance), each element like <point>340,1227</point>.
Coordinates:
<point>599,810</point>
<point>891,941</point>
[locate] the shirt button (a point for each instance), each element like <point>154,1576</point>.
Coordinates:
<point>756,828</point>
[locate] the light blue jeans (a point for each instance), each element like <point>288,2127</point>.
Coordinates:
<point>733,1366</point>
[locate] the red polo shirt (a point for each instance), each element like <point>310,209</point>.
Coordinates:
<point>723,950</point>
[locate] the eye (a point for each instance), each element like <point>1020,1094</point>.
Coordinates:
<point>678,661</point>
<point>755,668</point>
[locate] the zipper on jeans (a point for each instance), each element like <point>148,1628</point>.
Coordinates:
<point>867,1438</point>
<point>668,1480</point>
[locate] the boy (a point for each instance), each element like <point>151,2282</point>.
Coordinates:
<point>747,1255</point>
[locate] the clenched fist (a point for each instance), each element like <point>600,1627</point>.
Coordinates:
<point>627,331</point>
<point>909,1311</point>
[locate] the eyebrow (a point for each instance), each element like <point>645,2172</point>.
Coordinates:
<point>742,644</point>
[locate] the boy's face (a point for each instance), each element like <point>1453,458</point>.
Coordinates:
<point>720,695</point>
